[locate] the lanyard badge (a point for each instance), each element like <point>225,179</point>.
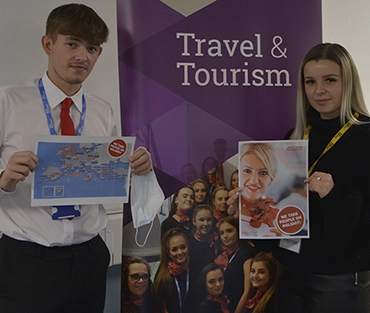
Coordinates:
<point>62,211</point>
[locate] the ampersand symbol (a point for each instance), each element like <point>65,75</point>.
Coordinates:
<point>277,40</point>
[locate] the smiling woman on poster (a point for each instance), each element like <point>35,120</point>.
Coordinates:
<point>181,212</point>
<point>173,282</point>
<point>235,260</point>
<point>258,167</point>
<point>264,272</point>
<point>136,291</point>
<point>210,288</point>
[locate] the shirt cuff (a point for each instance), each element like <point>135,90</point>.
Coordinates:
<point>3,192</point>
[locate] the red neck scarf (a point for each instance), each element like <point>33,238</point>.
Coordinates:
<point>261,212</point>
<point>175,269</point>
<point>219,216</point>
<point>222,300</point>
<point>212,179</point>
<point>223,259</point>
<point>184,219</point>
<point>251,303</point>
<point>136,300</point>
<point>210,238</point>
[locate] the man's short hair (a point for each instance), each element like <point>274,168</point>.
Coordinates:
<point>220,141</point>
<point>77,20</point>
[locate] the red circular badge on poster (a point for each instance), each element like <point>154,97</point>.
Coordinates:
<point>290,220</point>
<point>117,148</point>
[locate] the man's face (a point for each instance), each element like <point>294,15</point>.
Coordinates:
<point>71,60</point>
<point>220,149</point>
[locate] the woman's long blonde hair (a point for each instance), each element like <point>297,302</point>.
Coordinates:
<point>265,152</point>
<point>352,96</point>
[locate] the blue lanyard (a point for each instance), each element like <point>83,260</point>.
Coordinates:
<point>179,289</point>
<point>48,113</point>
<point>232,257</point>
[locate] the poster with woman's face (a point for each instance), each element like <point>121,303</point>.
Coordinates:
<point>273,201</point>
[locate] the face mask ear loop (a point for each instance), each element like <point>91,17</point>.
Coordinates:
<point>146,237</point>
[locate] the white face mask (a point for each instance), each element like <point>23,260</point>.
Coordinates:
<point>146,198</point>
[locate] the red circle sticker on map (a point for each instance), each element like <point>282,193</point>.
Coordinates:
<point>117,148</point>
<point>290,220</point>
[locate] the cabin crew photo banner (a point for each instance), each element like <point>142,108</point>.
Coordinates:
<point>197,77</point>
<point>195,71</point>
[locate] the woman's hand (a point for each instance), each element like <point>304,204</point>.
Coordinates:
<point>320,183</point>
<point>275,231</point>
<point>233,202</point>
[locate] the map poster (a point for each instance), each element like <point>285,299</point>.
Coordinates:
<point>82,170</point>
<point>273,202</point>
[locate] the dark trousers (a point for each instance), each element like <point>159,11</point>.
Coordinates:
<point>38,279</point>
<point>308,293</point>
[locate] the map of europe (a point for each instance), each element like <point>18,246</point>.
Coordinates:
<point>79,170</point>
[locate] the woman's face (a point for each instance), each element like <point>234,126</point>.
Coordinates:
<point>255,178</point>
<point>178,249</point>
<point>210,164</point>
<point>138,278</point>
<point>229,234</point>
<point>203,221</point>
<point>234,181</point>
<point>215,282</point>
<point>200,192</point>
<point>189,173</point>
<point>323,87</point>
<point>220,200</point>
<point>185,199</point>
<point>260,276</point>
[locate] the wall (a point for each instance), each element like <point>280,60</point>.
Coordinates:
<point>347,23</point>
<point>22,24</point>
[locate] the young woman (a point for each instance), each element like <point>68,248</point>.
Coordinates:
<point>136,287</point>
<point>234,180</point>
<point>235,260</point>
<point>263,279</point>
<point>181,212</point>
<point>258,167</point>
<point>210,290</point>
<point>219,200</point>
<point>201,191</point>
<point>172,287</point>
<point>188,173</point>
<point>205,241</point>
<point>211,173</point>
<point>330,272</point>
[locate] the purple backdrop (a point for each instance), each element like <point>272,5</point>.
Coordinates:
<point>229,70</point>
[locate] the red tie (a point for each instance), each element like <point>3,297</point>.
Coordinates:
<point>66,123</point>
<point>67,127</point>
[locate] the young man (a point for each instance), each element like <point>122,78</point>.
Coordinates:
<point>49,265</point>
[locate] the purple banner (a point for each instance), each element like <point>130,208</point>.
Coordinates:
<point>224,69</point>
<point>197,77</point>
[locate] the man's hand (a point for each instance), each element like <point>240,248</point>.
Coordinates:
<point>141,162</point>
<point>18,168</point>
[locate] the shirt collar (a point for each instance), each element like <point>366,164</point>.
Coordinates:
<point>56,96</point>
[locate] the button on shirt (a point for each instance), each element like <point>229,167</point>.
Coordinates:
<point>22,118</point>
